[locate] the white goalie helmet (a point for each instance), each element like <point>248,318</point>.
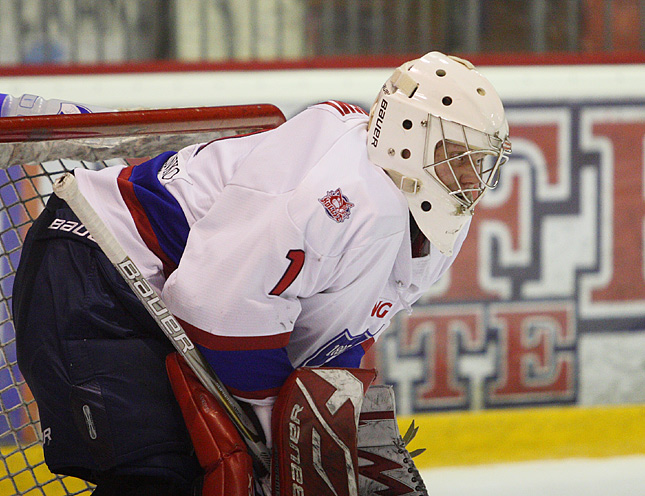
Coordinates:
<point>438,129</point>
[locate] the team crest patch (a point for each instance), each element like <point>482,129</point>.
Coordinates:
<point>337,205</point>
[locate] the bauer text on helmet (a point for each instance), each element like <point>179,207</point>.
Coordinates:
<point>439,130</point>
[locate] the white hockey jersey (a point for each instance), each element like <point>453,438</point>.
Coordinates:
<point>275,250</point>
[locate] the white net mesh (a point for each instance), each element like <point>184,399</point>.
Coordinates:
<point>23,193</point>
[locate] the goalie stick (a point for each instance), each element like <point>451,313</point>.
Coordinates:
<point>66,188</point>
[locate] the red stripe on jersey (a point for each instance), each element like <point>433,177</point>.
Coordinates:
<point>234,343</point>
<point>344,108</point>
<point>349,109</point>
<point>335,106</point>
<point>141,221</point>
<point>358,109</point>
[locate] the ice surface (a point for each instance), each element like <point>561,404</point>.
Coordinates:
<point>622,476</point>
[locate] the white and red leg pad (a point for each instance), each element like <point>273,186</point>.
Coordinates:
<point>314,426</point>
<point>228,468</point>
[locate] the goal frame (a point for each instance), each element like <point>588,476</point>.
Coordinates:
<point>139,122</point>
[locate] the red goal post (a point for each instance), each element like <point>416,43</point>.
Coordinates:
<point>34,152</point>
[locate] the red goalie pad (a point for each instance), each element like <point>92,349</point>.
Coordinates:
<point>314,424</point>
<point>228,468</point>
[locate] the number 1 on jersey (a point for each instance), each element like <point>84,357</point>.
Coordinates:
<point>297,258</point>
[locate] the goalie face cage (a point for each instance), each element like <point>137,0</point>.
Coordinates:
<point>54,145</point>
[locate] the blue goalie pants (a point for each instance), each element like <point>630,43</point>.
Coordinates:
<point>95,361</point>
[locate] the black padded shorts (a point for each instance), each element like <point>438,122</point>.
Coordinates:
<point>94,360</point>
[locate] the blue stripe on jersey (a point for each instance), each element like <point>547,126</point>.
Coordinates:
<point>350,358</point>
<point>250,370</point>
<point>162,209</point>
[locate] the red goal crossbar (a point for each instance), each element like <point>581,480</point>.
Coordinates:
<point>140,122</point>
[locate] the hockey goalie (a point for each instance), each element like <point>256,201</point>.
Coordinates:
<point>284,255</point>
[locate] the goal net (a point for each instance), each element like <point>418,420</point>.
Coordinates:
<point>34,152</point>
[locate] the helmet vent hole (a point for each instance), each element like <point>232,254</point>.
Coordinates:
<point>481,91</point>
<point>405,153</point>
<point>426,206</point>
<point>447,101</point>
<point>440,73</point>
<point>407,124</point>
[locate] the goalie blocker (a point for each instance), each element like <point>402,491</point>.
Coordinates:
<point>335,437</point>
<point>315,424</point>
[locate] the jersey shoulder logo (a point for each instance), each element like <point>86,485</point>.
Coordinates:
<point>343,109</point>
<point>171,170</point>
<point>337,205</point>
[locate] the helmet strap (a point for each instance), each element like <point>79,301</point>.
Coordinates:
<point>406,184</point>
